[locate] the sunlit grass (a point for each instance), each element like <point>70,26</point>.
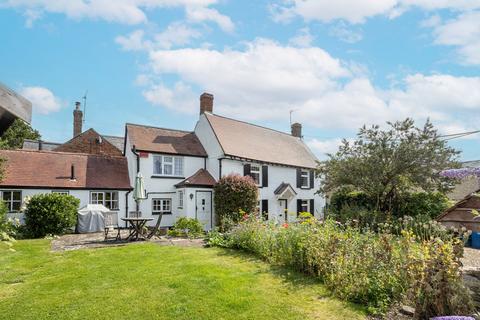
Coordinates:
<point>148,281</point>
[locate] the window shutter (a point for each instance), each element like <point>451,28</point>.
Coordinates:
<point>299,206</point>
<point>246,169</point>
<point>299,178</point>
<point>264,176</point>
<point>312,177</point>
<point>312,207</point>
<point>264,206</point>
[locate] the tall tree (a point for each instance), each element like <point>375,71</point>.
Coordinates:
<point>14,136</point>
<point>388,163</point>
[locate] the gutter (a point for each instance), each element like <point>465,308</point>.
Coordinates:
<point>134,151</point>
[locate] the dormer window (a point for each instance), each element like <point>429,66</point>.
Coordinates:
<point>170,166</point>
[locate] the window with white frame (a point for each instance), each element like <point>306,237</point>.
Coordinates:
<point>163,206</point>
<point>305,206</point>
<point>255,173</point>
<point>305,179</point>
<point>107,198</point>
<point>12,199</point>
<point>168,166</point>
<point>180,199</point>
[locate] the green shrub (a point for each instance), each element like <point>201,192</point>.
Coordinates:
<point>347,204</point>
<point>430,204</point>
<point>7,228</point>
<point>50,213</point>
<point>234,195</point>
<point>186,227</point>
<point>361,266</point>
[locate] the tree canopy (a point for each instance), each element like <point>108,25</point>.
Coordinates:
<point>14,136</point>
<point>386,163</point>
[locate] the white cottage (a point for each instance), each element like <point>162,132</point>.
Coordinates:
<point>93,179</point>
<point>181,167</point>
<point>173,164</point>
<point>280,163</point>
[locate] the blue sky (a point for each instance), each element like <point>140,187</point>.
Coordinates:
<point>337,65</point>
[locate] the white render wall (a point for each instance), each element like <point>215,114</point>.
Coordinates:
<point>82,195</point>
<point>276,175</point>
<point>162,187</point>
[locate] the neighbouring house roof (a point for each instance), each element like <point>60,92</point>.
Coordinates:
<point>91,142</point>
<point>48,169</point>
<point>118,142</point>
<point>160,140</point>
<point>248,141</point>
<point>201,178</point>
<point>461,214</point>
<point>471,164</point>
<point>29,144</point>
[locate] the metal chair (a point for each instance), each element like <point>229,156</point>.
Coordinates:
<point>111,223</point>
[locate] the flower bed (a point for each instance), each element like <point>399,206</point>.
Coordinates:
<point>373,269</point>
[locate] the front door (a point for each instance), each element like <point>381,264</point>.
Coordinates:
<point>283,214</point>
<point>204,208</point>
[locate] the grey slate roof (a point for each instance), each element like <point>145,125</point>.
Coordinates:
<point>34,145</point>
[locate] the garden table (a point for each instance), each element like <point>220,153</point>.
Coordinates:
<point>137,225</point>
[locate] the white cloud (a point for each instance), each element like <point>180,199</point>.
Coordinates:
<point>120,11</point>
<point>176,34</point>
<point>354,11</point>
<point>201,14</point>
<point>462,32</point>
<point>345,33</point>
<point>302,39</point>
<point>134,41</point>
<point>265,80</point>
<point>180,98</point>
<point>323,147</point>
<point>42,99</point>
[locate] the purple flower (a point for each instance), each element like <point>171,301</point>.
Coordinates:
<point>460,173</point>
<point>452,318</point>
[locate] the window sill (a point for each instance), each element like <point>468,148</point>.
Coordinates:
<point>166,177</point>
<point>158,213</point>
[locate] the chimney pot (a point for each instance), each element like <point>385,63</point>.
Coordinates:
<point>206,103</point>
<point>77,120</point>
<point>297,130</point>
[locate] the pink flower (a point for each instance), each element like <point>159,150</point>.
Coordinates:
<point>285,225</point>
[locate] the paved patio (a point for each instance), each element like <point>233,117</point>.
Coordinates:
<point>97,240</point>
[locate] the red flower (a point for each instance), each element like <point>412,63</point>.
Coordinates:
<point>285,225</point>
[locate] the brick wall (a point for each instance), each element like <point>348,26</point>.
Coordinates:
<point>89,142</point>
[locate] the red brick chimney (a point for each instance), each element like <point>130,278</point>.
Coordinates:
<point>77,119</point>
<point>297,130</point>
<point>206,103</point>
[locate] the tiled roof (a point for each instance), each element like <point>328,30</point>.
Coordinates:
<point>282,187</point>
<point>47,169</point>
<point>160,140</point>
<point>201,178</point>
<point>249,141</point>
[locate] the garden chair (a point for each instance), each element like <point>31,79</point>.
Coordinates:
<point>156,228</point>
<point>111,223</point>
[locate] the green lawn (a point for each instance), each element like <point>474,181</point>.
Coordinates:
<point>148,281</point>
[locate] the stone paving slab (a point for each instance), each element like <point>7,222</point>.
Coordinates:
<point>97,240</point>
